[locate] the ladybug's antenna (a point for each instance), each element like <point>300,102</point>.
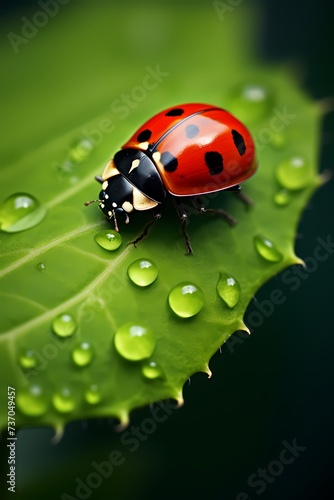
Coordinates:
<point>92,201</point>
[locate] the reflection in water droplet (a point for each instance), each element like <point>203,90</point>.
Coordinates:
<point>294,173</point>
<point>81,149</point>
<point>28,359</point>
<point>251,102</point>
<point>40,266</point>
<point>282,198</point>
<point>93,395</point>
<point>186,299</point>
<point>32,401</point>
<point>63,400</point>
<point>83,354</point>
<point>134,342</point>
<point>228,289</point>
<point>152,370</point>
<point>64,325</point>
<point>143,272</point>
<point>267,249</point>
<point>19,212</point>
<point>108,239</point>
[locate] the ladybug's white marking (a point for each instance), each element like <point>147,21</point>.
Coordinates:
<point>102,205</point>
<point>141,202</point>
<point>110,213</point>
<point>127,206</point>
<point>143,145</point>
<point>110,170</point>
<point>114,204</point>
<point>156,156</point>
<point>105,185</point>
<point>106,196</point>
<point>134,165</point>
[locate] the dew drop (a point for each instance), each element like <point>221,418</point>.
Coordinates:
<point>81,149</point>
<point>278,140</point>
<point>134,342</point>
<point>143,272</point>
<point>294,173</point>
<point>32,401</point>
<point>19,212</point>
<point>64,325</point>
<point>282,198</point>
<point>93,395</point>
<point>267,249</point>
<point>63,400</point>
<point>83,354</point>
<point>108,239</point>
<point>28,359</point>
<point>228,289</point>
<point>186,299</point>
<point>251,102</point>
<point>152,370</point>
<point>40,266</point>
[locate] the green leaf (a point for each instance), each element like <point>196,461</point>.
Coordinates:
<point>56,268</point>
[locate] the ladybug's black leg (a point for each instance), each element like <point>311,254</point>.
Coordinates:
<point>241,195</point>
<point>198,203</point>
<point>147,227</point>
<point>182,213</point>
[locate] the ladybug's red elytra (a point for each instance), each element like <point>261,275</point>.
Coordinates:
<point>185,151</point>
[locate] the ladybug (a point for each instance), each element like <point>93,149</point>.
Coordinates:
<point>185,151</point>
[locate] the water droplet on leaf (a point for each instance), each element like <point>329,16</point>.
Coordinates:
<point>108,239</point>
<point>93,395</point>
<point>40,266</point>
<point>282,198</point>
<point>152,370</point>
<point>32,401</point>
<point>267,249</point>
<point>28,359</point>
<point>228,289</point>
<point>294,173</point>
<point>278,140</point>
<point>81,149</point>
<point>64,325</point>
<point>19,212</point>
<point>143,272</point>
<point>134,342</point>
<point>186,299</point>
<point>251,102</point>
<point>83,354</point>
<point>63,400</point>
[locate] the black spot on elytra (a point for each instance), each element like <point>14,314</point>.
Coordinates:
<point>144,135</point>
<point>214,162</point>
<point>175,112</point>
<point>239,142</point>
<point>169,161</point>
<point>191,130</point>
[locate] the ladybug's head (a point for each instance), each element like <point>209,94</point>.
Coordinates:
<point>129,182</point>
<point>116,198</point>
<point>119,197</point>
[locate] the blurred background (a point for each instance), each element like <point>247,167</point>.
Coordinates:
<point>272,388</point>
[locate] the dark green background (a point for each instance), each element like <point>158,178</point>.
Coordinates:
<point>277,385</point>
